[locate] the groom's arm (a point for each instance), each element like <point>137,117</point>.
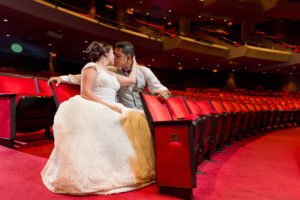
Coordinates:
<point>154,85</point>
<point>70,79</point>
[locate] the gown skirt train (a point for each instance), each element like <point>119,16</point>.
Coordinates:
<point>98,150</point>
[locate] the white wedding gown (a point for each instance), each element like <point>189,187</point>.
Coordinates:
<point>98,150</point>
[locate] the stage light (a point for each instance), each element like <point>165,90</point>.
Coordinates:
<point>16,48</point>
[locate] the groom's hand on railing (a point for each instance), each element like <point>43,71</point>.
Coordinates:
<point>57,79</point>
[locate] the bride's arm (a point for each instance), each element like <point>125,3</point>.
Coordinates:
<point>131,79</point>
<point>87,81</point>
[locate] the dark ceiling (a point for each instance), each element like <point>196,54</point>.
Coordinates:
<point>41,29</point>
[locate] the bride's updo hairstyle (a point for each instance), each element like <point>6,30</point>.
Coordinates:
<point>96,49</point>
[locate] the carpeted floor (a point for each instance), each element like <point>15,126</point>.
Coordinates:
<point>264,167</point>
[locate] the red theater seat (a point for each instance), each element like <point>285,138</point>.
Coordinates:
<point>174,150</point>
<point>236,118</point>
<point>228,116</point>
<point>180,111</point>
<point>206,128</point>
<point>218,122</point>
<point>24,108</point>
<point>63,92</point>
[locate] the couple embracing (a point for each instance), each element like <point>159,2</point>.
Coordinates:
<point>101,146</point>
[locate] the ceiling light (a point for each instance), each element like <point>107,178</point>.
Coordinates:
<point>233,70</point>
<point>83,58</point>
<point>149,65</point>
<point>196,59</point>
<point>173,55</point>
<point>5,20</point>
<point>109,6</point>
<point>199,16</point>
<point>291,73</point>
<point>202,67</point>
<point>218,65</point>
<point>86,41</point>
<point>259,64</point>
<point>246,67</point>
<point>264,72</point>
<point>165,17</point>
<point>153,59</point>
<point>50,44</point>
<point>225,20</point>
<point>278,70</point>
<point>147,13</point>
<point>141,2</point>
<point>294,67</point>
<point>83,51</point>
<point>7,35</point>
<point>170,11</point>
<point>211,19</point>
<point>179,63</point>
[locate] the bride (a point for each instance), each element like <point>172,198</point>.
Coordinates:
<point>101,147</point>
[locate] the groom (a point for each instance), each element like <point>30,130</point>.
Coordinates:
<point>129,95</point>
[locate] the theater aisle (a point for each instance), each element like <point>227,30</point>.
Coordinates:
<point>264,167</point>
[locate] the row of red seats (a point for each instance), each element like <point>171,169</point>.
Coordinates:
<point>28,105</point>
<point>187,131</point>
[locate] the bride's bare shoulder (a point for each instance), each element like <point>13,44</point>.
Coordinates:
<point>113,69</point>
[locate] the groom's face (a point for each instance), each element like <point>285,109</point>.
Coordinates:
<point>121,60</point>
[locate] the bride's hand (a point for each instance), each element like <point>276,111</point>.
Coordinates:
<point>116,108</point>
<point>134,64</point>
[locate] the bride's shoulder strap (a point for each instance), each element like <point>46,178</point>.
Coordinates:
<point>90,65</point>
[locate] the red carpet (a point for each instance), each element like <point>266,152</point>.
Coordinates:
<point>264,167</point>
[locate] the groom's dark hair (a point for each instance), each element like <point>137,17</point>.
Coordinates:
<point>127,48</point>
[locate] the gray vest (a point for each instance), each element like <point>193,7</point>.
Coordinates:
<point>129,95</point>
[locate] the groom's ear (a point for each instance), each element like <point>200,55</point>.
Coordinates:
<point>129,57</point>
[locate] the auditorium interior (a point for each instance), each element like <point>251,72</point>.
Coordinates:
<point>229,130</point>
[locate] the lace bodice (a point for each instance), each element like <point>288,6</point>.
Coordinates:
<point>106,84</point>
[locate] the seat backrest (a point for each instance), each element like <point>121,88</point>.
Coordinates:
<point>265,106</point>
<point>236,106</point>
<point>206,107</point>
<point>63,92</point>
<point>193,107</point>
<point>257,106</point>
<point>243,107</point>
<point>296,105</point>
<point>154,109</point>
<point>177,107</point>
<point>18,85</point>
<point>228,106</point>
<point>217,105</point>
<point>43,88</point>
<point>250,106</point>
